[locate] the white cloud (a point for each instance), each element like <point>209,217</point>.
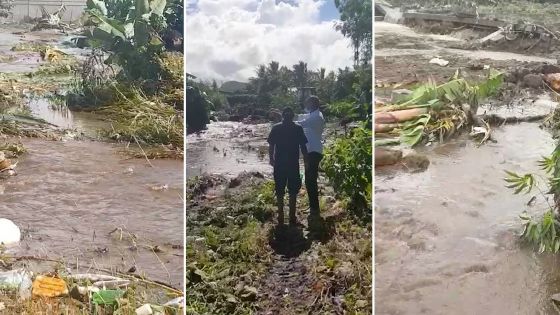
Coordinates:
<point>228,39</point>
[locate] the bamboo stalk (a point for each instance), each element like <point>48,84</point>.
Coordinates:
<point>399,116</point>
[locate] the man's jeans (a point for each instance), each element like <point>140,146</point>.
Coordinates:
<point>311,176</point>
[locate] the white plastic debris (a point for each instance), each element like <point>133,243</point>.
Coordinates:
<point>93,277</point>
<point>177,302</point>
<point>145,309</point>
<point>478,131</point>
<point>9,232</point>
<point>440,62</point>
<point>111,284</point>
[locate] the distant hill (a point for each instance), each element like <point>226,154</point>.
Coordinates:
<point>233,87</point>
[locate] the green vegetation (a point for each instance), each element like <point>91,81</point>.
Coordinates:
<point>436,111</point>
<point>223,264</point>
<point>199,105</point>
<point>355,16</point>
<point>541,232</point>
<point>139,86</point>
<point>132,39</point>
<point>347,164</point>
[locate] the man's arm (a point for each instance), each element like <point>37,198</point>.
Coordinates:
<point>303,145</point>
<point>303,148</point>
<point>304,122</point>
<point>271,143</point>
<point>271,154</point>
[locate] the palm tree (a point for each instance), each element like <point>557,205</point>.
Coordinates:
<point>300,74</point>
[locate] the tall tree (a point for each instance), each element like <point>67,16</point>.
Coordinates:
<point>356,24</point>
<point>301,75</point>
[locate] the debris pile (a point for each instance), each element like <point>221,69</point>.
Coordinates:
<point>432,112</point>
<point>51,20</point>
<point>98,293</point>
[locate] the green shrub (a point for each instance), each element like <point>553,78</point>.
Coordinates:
<point>348,166</point>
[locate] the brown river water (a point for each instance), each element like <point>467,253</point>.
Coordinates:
<point>228,148</point>
<point>446,239</point>
<point>69,195</point>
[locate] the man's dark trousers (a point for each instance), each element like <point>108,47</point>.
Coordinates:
<point>311,176</point>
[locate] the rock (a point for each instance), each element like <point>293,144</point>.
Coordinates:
<point>555,297</point>
<point>235,182</point>
<point>547,69</point>
<point>516,75</point>
<point>387,156</point>
<point>361,303</point>
<point>532,80</point>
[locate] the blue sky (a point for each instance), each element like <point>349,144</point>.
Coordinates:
<point>328,11</point>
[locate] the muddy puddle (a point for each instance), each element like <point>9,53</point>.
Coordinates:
<point>69,195</point>
<point>446,238</point>
<point>228,148</point>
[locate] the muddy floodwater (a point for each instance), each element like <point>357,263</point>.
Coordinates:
<point>446,239</point>
<point>228,148</point>
<point>68,196</point>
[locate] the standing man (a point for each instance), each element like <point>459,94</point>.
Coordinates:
<point>313,124</point>
<point>285,140</point>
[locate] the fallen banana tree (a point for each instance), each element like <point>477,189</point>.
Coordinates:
<point>435,112</point>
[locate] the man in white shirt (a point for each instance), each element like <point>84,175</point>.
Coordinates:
<point>313,125</point>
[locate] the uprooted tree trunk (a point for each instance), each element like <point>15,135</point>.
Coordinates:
<point>51,21</point>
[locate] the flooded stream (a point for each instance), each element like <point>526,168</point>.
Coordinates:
<point>70,195</point>
<point>228,148</point>
<point>446,238</point>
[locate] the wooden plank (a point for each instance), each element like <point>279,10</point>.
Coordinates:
<point>454,19</point>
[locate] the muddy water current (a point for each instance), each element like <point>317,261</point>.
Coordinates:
<point>70,195</point>
<point>228,148</point>
<point>446,239</point>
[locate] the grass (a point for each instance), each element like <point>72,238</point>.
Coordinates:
<point>228,252</point>
<point>30,47</point>
<point>13,149</point>
<point>132,299</point>
<point>229,255</point>
<point>138,118</point>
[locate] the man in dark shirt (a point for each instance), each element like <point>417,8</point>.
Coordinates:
<point>286,139</point>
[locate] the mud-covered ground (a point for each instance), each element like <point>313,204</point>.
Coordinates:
<point>446,239</point>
